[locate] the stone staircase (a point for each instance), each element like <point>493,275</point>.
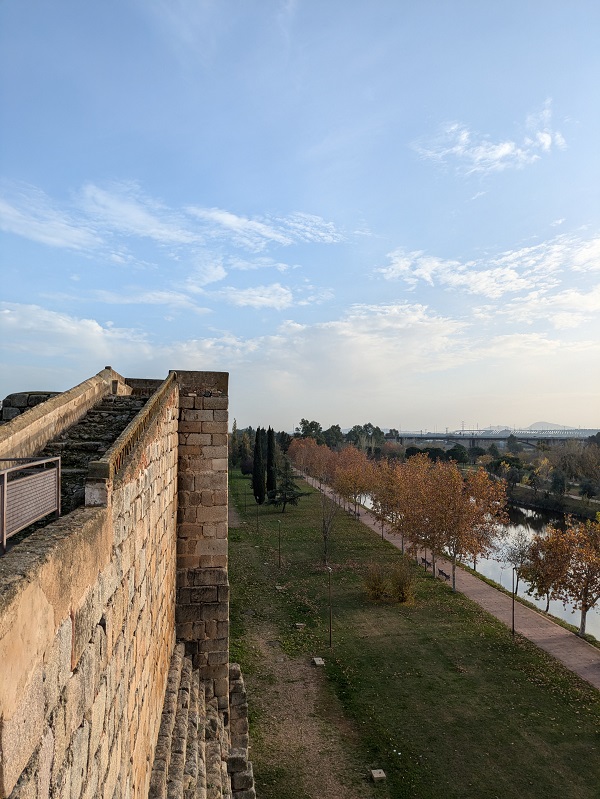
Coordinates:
<point>193,757</point>
<point>88,440</point>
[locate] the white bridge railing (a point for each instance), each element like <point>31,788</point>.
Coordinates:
<point>29,490</point>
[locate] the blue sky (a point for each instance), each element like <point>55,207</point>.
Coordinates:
<point>362,210</point>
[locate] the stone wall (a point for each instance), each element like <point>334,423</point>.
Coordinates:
<point>87,630</point>
<point>29,432</point>
<point>16,404</point>
<point>202,581</point>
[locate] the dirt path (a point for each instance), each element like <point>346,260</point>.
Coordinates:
<point>289,700</point>
<point>299,724</point>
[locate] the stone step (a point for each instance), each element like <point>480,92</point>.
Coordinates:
<point>179,740</point>
<point>78,444</point>
<point>193,755</point>
<point>179,768</point>
<point>217,782</point>
<point>162,753</point>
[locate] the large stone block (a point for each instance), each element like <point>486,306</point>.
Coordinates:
<point>21,732</point>
<point>197,416</point>
<point>216,403</point>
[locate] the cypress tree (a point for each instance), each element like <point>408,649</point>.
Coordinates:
<point>258,469</point>
<point>271,465</point>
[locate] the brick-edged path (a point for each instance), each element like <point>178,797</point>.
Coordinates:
<point>573,652</point>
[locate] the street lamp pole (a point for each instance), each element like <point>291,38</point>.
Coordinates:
<point>330,613</point>
<point>279,532</point>
<point>513,601</point>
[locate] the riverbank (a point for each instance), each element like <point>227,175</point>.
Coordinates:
<point>568,504</point>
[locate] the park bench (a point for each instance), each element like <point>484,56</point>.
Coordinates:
<point>444,575</point>
<point>426,563</point>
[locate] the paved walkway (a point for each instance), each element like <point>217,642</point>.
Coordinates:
<point>573,652</point>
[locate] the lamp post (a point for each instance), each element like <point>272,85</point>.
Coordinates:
<point>279,535</point>
<point>513,601</point>
<point>330,614</point>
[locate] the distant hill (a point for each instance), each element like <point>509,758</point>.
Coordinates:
<point>549,426</point>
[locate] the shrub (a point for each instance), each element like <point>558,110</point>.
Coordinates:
<point>375,581</point>
<point>395,582</point>
<point>401,581</point>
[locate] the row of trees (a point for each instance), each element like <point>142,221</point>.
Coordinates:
<point>432,505</point>
<point>429,503</point>
<point>560,564</point>
<point>568,467</point>
<point>272,473</point>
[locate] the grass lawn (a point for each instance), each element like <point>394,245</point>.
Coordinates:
<point>440,695</point>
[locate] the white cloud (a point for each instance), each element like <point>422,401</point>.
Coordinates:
<point>538,267</point>
<point>256,235</point>
<point>273,296</point>
<point>127,210</point>
<point>248,233</point>
<point>474,152</point>
<point>310,228</point>
<point>171,299</point>
<point>566,309</point>
<point>210,271</point>
<point>262,262</point>
<point>31,214</point>
<point>398,359</point>
<point>49,334</point>
<point>471,277</point>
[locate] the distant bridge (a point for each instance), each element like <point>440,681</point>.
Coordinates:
<point>474,438</point>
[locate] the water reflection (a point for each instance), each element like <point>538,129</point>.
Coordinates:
<point>528,522</point>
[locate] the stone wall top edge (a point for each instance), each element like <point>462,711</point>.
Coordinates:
<point>195,381</point>
<point>99,383</point>
<point>20,564</point>
<point>145,418</point>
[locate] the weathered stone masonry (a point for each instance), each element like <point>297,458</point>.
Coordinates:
<point>91,607</point>
<point>202,584</point>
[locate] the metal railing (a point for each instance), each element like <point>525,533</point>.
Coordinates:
<point>29,491</point>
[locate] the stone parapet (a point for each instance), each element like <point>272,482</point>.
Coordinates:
<point>29,432</point>
<point>87,629</point>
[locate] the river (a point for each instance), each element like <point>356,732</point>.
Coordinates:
<point>531,521</point>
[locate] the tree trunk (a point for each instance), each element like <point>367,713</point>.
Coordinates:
<point>454,573</point>
<point>581,631</point>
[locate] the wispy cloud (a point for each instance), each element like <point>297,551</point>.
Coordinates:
<point>256,235</point>
<point>564,310</point>
<point>127,210</point>
<point>170,299</point>
<point>492,281</point>
<point>28,212</point>
<point>530,268</point>
<point>112,217</point>
<point>206,270</point>
<point>310,228</point>
<point>32,328</point>
<point>274,296</point>
<point>251,234</point>
<point>474,152</point>
<point>262,262</point>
